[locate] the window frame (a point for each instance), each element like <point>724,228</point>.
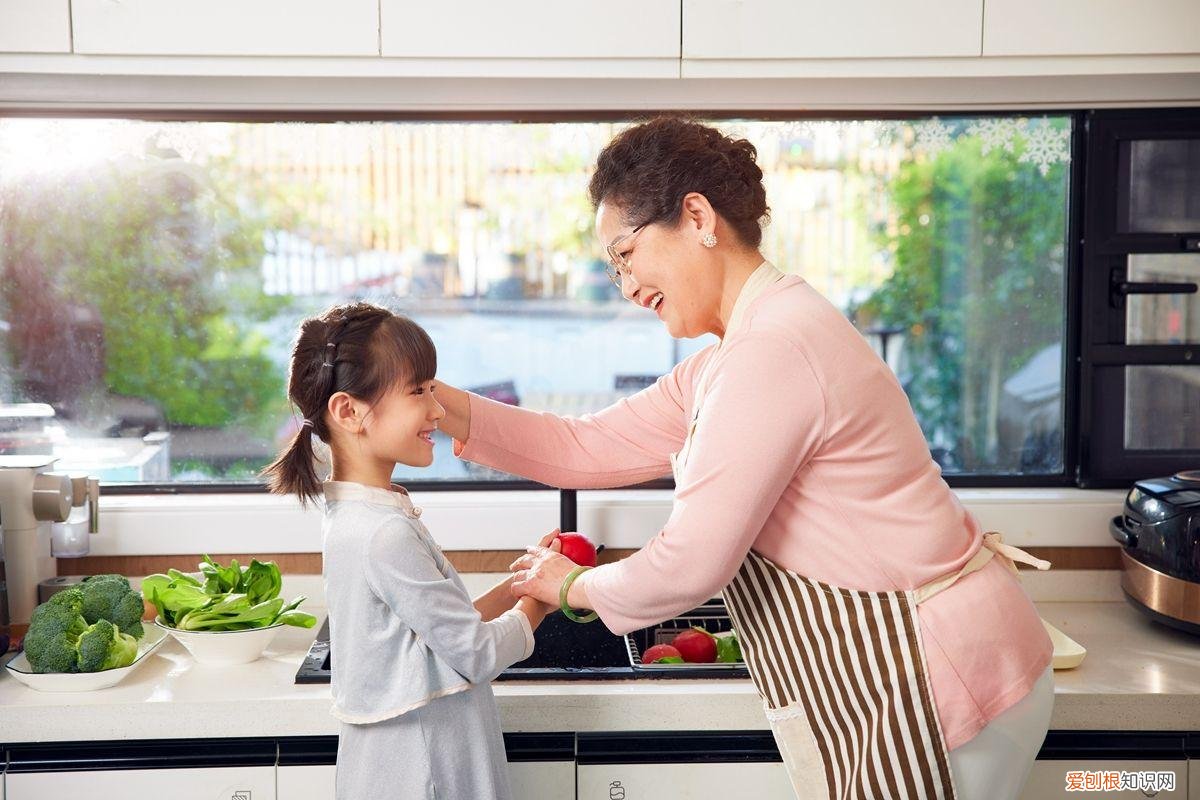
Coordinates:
<point>1073,433</point>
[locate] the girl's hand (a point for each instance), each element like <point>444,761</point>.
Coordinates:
<point>541,571</point>
<point>551,541</point>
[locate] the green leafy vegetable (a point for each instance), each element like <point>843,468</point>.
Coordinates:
<point>229,598</point>
<point>729,649</point>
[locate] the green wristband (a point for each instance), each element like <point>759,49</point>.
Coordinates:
<point>562,597</point>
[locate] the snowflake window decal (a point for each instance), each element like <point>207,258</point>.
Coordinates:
<point>1039,141</point>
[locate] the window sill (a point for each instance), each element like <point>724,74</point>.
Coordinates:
<point>499,520</point>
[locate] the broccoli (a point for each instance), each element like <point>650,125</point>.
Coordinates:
<point>102,646</point>
<point>51,645</point>
<point>60,639</point>
<point>71,598</point>
<point>110,597</point>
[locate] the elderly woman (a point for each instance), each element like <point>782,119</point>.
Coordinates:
<point>895,651</point>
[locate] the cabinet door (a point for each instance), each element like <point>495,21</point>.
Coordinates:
<point>545,780</point>
<point>693,781</point>
<point>35,26</point>
<point>798,29</point>
<point>530,29</point>
<point>1090,27</point>
<point>1048,779</point>
<point>227,27</point>
<point>308,782</point>
<point>218,783</point>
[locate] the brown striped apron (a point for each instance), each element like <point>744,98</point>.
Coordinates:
<point>842,672</point>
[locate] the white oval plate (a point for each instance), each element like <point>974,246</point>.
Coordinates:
<point>1068,653</point>
<point>19,668</point>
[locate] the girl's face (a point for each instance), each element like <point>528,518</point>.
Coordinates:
<point>399,428</point>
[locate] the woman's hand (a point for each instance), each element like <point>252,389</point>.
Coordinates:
<point>541,571</point>
<point>457,422</point>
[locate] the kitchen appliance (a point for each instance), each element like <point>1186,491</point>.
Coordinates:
<point>1160,559</point>
<point>31,498</point>
<point>52,586</point>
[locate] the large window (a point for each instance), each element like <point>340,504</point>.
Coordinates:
<point>154,273</point>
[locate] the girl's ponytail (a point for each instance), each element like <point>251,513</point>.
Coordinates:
<point>294,471</point>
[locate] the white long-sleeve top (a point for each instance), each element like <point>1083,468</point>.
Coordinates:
<point>403,629</point>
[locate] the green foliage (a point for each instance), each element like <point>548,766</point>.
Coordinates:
<point>978,248</point>
<point>167,254</point>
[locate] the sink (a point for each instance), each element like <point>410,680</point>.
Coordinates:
<point>565,650</point>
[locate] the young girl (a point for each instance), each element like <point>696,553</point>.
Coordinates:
<point>413,656</point>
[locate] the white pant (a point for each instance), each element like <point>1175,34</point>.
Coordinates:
<point>996,763</point>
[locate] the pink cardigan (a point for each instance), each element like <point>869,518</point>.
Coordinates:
<point>806,451</point>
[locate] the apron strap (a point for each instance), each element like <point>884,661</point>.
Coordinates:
<point>993,547</point>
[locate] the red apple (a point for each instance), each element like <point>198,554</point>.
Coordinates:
<point>696,645</point>
<point>660,651</point>
<point>578,548</point>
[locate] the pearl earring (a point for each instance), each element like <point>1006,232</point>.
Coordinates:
<point>709,240</point>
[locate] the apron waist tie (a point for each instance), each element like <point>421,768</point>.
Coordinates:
<point>993,547</point>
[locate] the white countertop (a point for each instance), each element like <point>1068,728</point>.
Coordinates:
<point>1137,676</point>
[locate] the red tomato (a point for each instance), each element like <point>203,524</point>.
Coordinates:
<point>578,548</point>
<point>696,646</point>
<point>653,654</point>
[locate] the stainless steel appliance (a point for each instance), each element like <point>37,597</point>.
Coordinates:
<point>31,498</point>
<point>1160,534</point>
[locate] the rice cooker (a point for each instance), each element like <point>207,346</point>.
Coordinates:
<point>1160,557</point>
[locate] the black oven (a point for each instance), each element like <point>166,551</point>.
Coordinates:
<point>1140,333</point>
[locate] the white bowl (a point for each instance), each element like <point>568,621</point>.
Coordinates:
<point>224,648</point>
<point>19,668</point>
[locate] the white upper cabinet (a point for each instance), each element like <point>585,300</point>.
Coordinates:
<point>1091,27</point>
<point>226,27</point>
<point>805,29</point>
<point>531,29</point>
<point>35,26</point>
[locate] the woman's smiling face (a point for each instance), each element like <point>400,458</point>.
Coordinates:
<point>665,270</point>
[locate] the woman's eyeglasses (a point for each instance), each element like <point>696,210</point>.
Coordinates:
<point>618,267</point>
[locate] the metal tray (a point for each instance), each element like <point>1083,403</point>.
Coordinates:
<point>712,617</point>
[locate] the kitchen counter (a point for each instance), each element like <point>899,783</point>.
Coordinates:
<point>1137,676</point>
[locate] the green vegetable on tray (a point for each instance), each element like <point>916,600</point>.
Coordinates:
<point>729,649</point>
<point>232,598</point>
<point>87,628</point>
